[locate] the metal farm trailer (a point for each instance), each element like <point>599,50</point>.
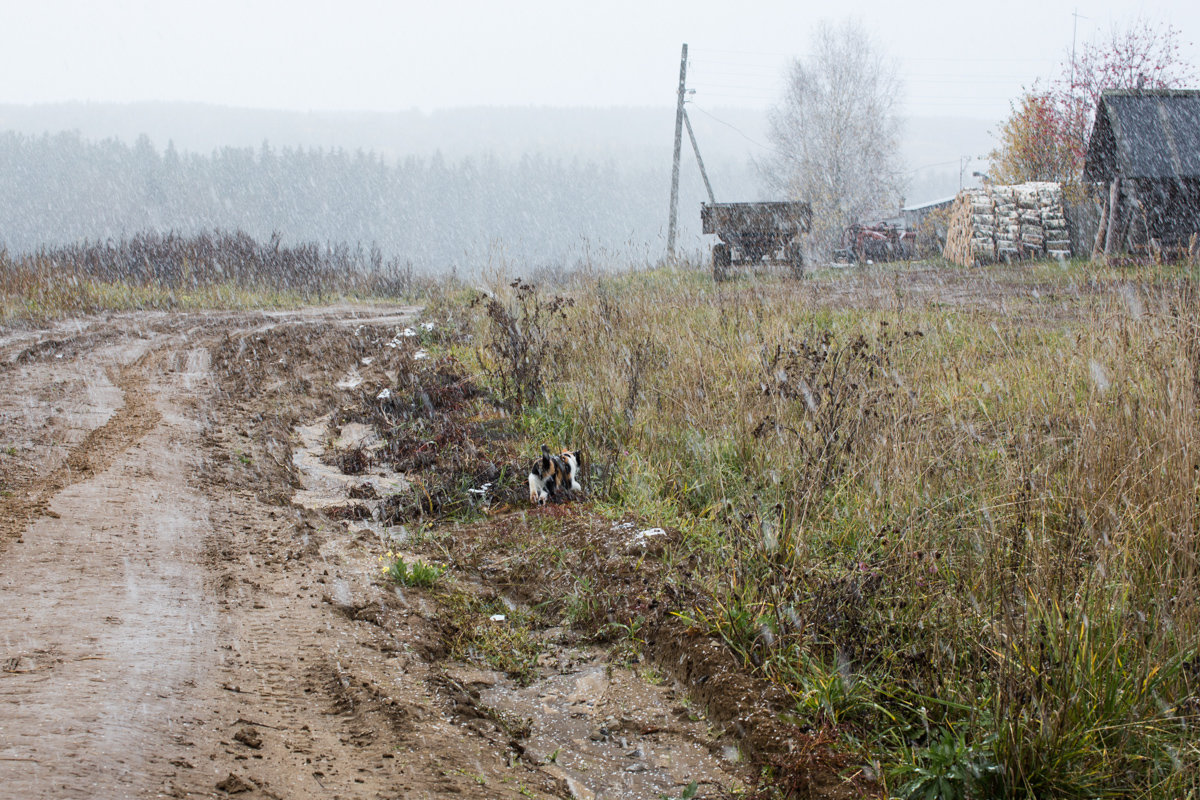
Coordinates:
<point>753,233</point>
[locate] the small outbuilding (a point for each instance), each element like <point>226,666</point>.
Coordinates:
<point>915,215</point>
<point>1144,159</point>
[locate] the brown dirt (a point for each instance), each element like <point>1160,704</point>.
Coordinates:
<point>174,625</point>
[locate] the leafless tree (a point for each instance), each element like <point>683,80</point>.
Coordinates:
<point>836,132</point>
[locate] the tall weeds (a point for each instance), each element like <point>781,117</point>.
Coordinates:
<point>946,529</point>
<point>207,270</point>
<point>524,341</point>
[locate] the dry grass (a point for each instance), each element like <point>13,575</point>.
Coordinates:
<point>936,506</point>
<point>952,512</point>
<point>204,271</point>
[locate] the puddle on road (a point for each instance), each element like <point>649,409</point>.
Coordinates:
<point>327,488</point>
<point>346,315</point>
<point>350,380</point>
<point>324,486</point>
<point>399,318</point>
<point>608,731</point>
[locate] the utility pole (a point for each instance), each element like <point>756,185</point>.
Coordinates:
<point>678,147</point>
<point>696,149</point>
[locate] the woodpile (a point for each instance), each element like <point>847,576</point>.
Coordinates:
<point>1007,223</point>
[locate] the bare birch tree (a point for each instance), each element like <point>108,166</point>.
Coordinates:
<point>836,132</point>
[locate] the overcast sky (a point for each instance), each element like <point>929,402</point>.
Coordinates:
<point>956,58</point>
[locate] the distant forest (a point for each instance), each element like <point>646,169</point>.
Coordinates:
<point>535,211</point>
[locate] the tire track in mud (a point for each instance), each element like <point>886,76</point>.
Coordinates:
<point>373,659</point>
<point>183,629</point>
<point>331,677</point>
<point>29,498</point>
<point>341,699</point>
<point>105,633</point>
<point>167,634</point>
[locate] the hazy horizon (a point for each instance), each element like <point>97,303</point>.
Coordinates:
<point>932,147</point>
<point>579,91</point>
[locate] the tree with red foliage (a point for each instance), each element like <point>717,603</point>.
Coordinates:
<point>1030,147</point>
<point>1050,130</point>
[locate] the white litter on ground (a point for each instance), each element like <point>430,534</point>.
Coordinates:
<point>397,340</point>
<point>384,395</point>
<point>644,536</point>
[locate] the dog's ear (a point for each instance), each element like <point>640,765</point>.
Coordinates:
<point>578,457</point>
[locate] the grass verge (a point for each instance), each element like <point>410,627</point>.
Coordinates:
<point>951,513</point>
<point>206,271</point>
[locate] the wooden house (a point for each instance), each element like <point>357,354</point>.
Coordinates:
<point>1144,158</point>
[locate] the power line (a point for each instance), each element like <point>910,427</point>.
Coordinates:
<point>943,59</point>
<point>736,129</point>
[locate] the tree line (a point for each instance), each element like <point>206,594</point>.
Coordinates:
<point>56,189</point>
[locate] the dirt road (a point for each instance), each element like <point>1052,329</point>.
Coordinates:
<point>173,622</point>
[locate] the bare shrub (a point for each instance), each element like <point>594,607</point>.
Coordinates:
<point>831,400</point>
<point>525,342</point>
<point>211,269</point>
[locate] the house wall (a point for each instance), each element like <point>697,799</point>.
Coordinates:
<point>1083,221</point>
<point>1166,210</point>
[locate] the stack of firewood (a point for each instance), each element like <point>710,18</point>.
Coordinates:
<point>1007,223</point>
<point>971,232</point>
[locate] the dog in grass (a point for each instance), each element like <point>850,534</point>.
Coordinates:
<point>553,474</point>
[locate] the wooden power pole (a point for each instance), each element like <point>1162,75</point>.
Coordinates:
<point>678,147</point>
<point>696,149</point>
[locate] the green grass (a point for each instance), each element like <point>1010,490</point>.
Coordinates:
<point>418,573</point>
<point>476,632</point>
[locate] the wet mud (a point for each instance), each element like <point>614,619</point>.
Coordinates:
<point>190,538</point>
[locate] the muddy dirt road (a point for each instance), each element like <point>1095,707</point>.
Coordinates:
<point>174,621</point>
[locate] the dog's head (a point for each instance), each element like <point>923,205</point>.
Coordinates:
<point>572,459</point>
<point>555,467</point>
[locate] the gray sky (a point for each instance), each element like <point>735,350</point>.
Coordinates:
<point>956,58</point>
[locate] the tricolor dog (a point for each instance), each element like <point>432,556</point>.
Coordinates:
<point>552,474</point>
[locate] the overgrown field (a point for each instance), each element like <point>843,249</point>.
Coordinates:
<point>953,513</point>
<point>949,516</point>
<point>216,270</point>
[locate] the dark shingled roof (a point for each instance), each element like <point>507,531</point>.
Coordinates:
<point>1152,134</point>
